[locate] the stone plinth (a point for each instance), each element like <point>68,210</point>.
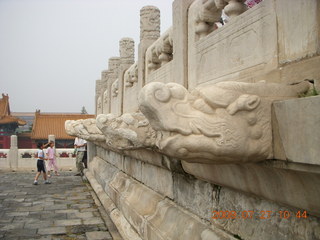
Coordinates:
<point>277,184</point>
<point>297,132</point>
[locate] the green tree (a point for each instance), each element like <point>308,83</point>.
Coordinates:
<point>83,110</point>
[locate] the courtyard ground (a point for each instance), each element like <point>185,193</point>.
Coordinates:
<point>66,209</point>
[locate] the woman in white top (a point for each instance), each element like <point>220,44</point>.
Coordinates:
<point>52,163</point>
<point>40,164</point>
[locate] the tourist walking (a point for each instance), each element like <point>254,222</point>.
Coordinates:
<point>52,162</point>
<point>41,165</point>
<point>81,154</point>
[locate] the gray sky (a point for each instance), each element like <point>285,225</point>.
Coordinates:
<point>52,51</point>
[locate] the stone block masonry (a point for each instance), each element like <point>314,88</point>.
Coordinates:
<point>206,135</point>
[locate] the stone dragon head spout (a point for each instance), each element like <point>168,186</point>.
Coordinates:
<point>228,122</point>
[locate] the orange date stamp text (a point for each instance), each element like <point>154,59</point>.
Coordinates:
<point>258,214</point>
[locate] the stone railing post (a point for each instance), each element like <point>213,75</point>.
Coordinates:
<point>98,100</point>
<point>51,138</point>
<point>113,69</point>
<point>149,32</point>
<point>180,40</point>
<point>104,91</point>
<point>126,48</point>
<point>13,153</point>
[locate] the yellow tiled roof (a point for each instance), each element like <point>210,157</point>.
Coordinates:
<point>53,124</point>
<point>5,115</point>
<point>4,106</point>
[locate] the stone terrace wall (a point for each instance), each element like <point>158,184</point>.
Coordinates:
<point>205,136</point>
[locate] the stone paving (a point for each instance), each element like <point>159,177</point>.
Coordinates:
<point>65,209</point>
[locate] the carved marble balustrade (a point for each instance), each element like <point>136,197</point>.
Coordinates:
<point>211,117</point>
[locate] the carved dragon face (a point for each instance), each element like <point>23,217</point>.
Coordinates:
<point>222,123</point>
<point>69,127</point>
<point>85,129</point>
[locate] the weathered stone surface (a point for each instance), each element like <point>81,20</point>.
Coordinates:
<point>125,229</point>
<point>148,156</point>
<point>100,152</point>
<point>114,159</point>
<point>180,40</point>
<point>195,195</point>
<point>126,49</point>
<point>131,89</point>
<point>17,214</point>
<point>273,227</point>
<point>137,203</point>
<point>11,226</point>
<point>158,179</point>
<point>228,122</point>
<point>155,158</point>
<point>149,23</point>
<point>103,171</point>
<point>299,134</point>
<point>68,211</point>
<point>13,153</point>
<point>33,222</point>
<point>52,230</point>
<point>277,184</point>
<point>98,235</point>
<point>159,59</point>
<point>150,215</point>
<point>230,63</point>
<point>149,32</point>
<point>123,226</point>
<point>109,77</point>
<point>56,207</point>
<point>170,222</point>
<point>105,200</point>
<point>118,185</point>
<point>81,206</point>
<point>67,222</point>
<point>225,55</point>
<point>21,233</point>
<point>37,225</point>
<point>82,215</point>
<point>304,69</point>
<point>296,44</point>
<point>85,129</point>
<point>129,131</point>
<point>132,167</point>
<point>163,74</point>
<point>94,220</point>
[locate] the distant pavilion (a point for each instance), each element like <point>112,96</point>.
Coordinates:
<point>8,123</point>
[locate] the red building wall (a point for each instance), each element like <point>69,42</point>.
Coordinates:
<point>24,142</point>
<point>4,142</point>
